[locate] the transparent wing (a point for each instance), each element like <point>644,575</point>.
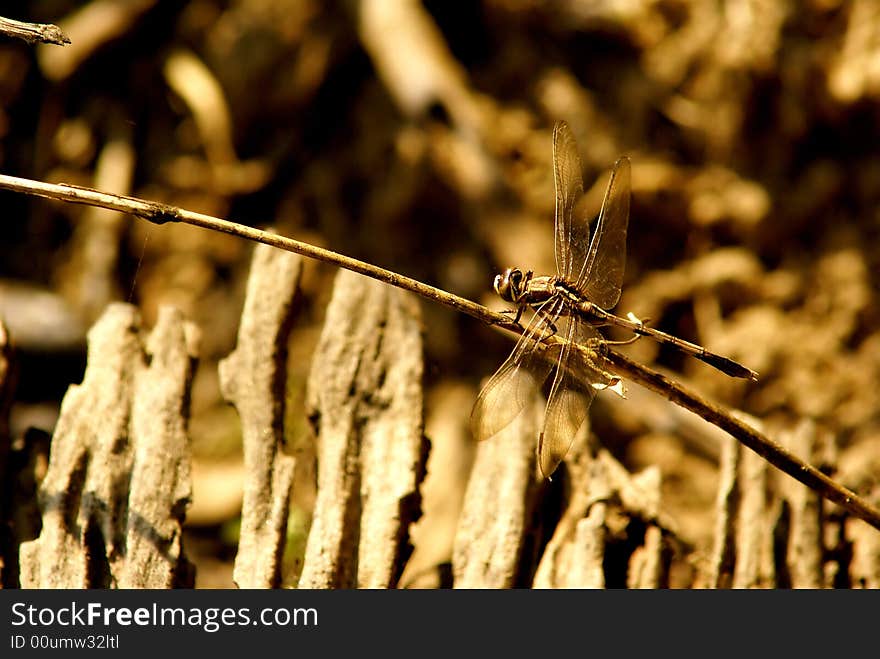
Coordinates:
<point>570,396</point>
<point>571,240</point>
<point>601,275</point>
<point>518,379</point>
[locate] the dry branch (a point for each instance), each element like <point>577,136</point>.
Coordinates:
<point>365,400</point>
<point>253,379</point>
<point>91,26</point>
<point>748,436</point>
<point>108,519</point>
<point>33,32</point>
<point>774,453</point>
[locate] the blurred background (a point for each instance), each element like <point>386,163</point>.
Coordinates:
<point>417,136</point>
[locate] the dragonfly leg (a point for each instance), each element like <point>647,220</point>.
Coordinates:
<point>549,329</point>
<point>518,311</point>
<point>625,342</point>
<point>639,321</point>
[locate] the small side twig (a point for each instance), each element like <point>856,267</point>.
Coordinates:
<point>33,32</point>
<point>161,213</point>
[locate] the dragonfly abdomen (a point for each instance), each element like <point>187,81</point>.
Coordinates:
<point>723,364</point>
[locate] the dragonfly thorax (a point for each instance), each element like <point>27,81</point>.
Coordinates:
<point>511,285</point>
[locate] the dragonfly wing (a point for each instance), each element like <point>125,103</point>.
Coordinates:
<point>503,399</point>
<point>571,240</point>
<point>570,397</point>
<point>518,379</point>
<point>601,274</point>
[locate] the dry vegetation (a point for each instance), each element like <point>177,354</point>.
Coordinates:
<point>416,136</point>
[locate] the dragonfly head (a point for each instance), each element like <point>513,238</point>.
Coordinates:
<point>510,285</point>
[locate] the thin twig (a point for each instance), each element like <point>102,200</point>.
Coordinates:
<point>161,213</point>
<point>33,32</point>
<point>775,454</point>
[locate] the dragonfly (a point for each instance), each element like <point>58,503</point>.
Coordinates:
<point>571,306</point>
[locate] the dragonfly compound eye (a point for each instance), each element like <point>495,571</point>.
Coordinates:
<point>509,284</point>
<point>515,283</point>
